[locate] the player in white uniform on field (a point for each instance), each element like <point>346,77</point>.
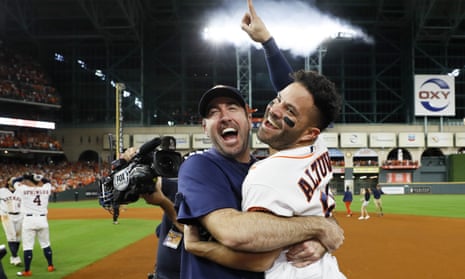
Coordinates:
<point>292,182</point>
<point>289,183</point>
<point>10,209</point>
<point>295,180</point>
<point>34,191</point>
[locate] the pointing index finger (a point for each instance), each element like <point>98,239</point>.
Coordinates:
<point>252,11</point>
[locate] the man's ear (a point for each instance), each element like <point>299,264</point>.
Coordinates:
<point>204,126</point>
<point>310,134</point>
<point>249,116</point>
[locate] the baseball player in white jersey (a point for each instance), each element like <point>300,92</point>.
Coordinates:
<point>289,183</point>
<point>292,182</point>
<point>34,191</point>
<point>10,210</point>
<point>295,180</point>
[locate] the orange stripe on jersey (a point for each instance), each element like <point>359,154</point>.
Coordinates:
<point>259,209</point>
<point>293,157</point>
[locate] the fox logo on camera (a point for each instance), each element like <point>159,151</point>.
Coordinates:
<point>137,176</point>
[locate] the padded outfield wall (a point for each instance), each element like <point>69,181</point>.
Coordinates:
<point>425,188</point>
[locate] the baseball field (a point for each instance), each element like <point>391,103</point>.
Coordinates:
<point>419,236</point>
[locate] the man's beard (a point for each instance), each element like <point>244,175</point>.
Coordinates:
<point>278,141</point>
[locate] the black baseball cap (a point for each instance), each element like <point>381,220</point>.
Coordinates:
<point>219,91</point>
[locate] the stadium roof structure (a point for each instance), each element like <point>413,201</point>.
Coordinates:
<point>119,20</point>
<point>154,47</point>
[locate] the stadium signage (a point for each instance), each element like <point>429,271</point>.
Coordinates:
<point>434,95</point>
<point>383,140</point>
<point>182,140</point>
<point>420,189</point>
<point>351,140</point>
<point>460,139</point>
<point>256,143</point>
<point>331,139</point>
<point>440,140</point>
<point>201,141</point>
<point>411,139</point>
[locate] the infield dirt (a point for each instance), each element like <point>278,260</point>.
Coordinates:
<point>392,246</point>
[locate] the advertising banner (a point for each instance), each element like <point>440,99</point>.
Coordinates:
<point>434,95</point>
<point>440,140</point>
<point>330,139</point>
<point>139,139</point>
<point>353,140</point>
<point>411,139</point>
<point>182,140</point>
<point>460,139</point>
<point>383,140</point>
<point>201,141</point>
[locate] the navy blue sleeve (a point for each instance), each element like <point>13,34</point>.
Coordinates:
<point>279,68</point>
<point>203,187</point>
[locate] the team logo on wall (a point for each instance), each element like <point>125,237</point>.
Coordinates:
<point>434,95</point>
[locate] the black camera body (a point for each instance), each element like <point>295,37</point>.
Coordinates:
<point>129,179</point>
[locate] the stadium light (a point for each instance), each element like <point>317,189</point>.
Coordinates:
<point>301,34</point>
<point>454,73</point>
<point>100,74</point>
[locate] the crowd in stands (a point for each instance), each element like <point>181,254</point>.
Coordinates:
<point>338,163</point>
<point>64,176</point>
<point>22,78</point>
<point>364,163</point>
<point>400,164</point>
<point>29,139</point>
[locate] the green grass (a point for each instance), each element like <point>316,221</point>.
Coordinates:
<point>421,204</point>
<point>92,204</point>
<point>78,243</point>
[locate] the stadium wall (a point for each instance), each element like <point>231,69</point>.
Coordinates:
<point>77,140</point>
<point>425,188</point>
<point>83,193</point>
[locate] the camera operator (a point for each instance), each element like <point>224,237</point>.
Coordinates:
<point>169,231</point>
<point>146,173</point>
<point>167,264</point>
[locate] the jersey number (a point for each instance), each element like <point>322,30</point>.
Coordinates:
<point>37,200</point>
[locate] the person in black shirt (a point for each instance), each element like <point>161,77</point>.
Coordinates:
<point>377,192</point>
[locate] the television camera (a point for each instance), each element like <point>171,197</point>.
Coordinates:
<point>130,178</point>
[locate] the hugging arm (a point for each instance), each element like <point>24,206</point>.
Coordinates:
<point>261,232</point>
<point>216,252</point>
<point>244,250</point>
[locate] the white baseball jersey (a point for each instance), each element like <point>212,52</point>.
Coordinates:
<point>10,208</point>
<point>34,205</point>
<point>10,202</point>
<point>293,183</point>
<point>34,198</point>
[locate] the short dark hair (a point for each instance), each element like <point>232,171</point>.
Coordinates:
<point>324,93</point>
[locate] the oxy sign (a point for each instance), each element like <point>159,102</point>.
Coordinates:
<point>434,95</point>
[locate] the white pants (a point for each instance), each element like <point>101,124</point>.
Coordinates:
<point>32,226</point>
<point>326,268</point>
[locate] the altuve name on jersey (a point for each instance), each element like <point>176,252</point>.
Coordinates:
<point>37,192</point>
